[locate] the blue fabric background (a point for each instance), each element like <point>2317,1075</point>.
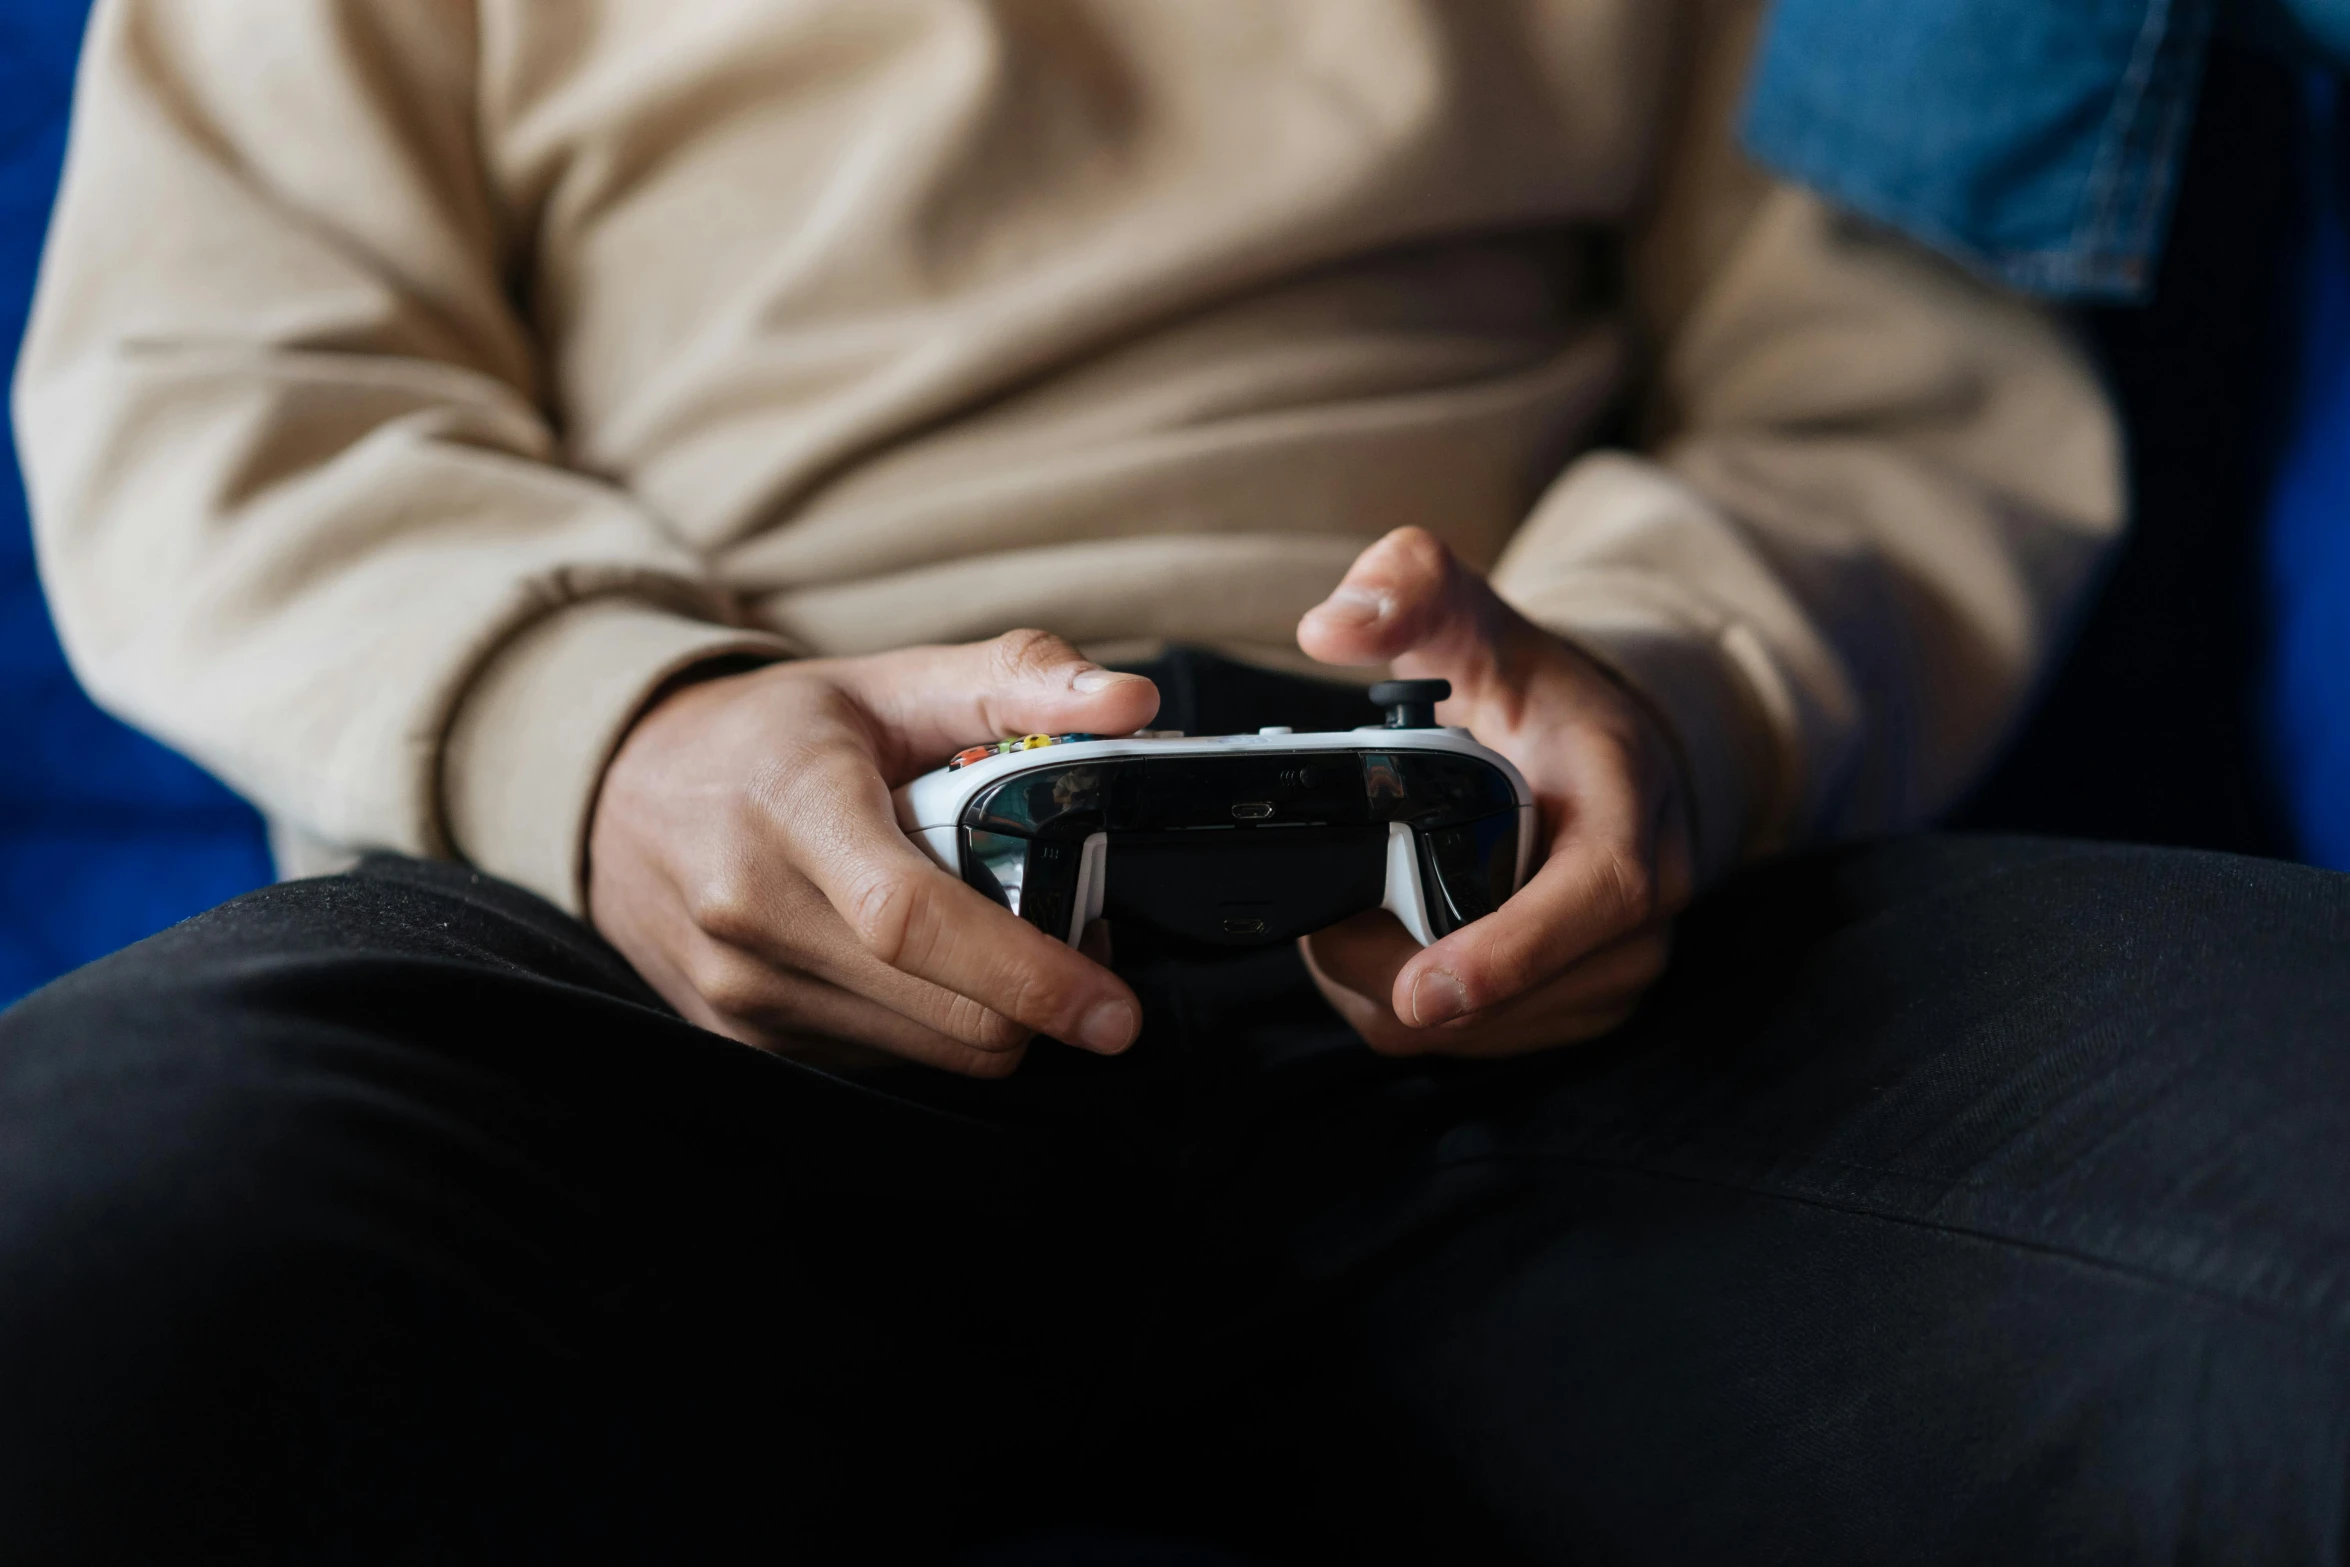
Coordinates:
<point>105,837</point>
<point>2309,528</point>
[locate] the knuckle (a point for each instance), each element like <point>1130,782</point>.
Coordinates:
<point>1419,548</point>
<point>732,985</point>
<point>1514,957</point>
<point>1503,978</point>
<point>1420,565</point>
<point>812,785</point>
<point>724,905</point>
<point>885,912</point>
<point>1035,997</point>
<point>982,1027</point>
<point>1024,652</point>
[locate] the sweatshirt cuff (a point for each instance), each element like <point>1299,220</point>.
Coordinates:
<point>528,746</point>
<point>1707,676</point>
<point>1692,678</point>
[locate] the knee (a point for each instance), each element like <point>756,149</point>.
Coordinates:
<point>249,1286</point>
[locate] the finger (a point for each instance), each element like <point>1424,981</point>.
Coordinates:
<point>1408,594</point>
<point>835,815</point>
<point>1383,1035</point>
<point>1363,954</point>
<point>1596,885</point>
<point>1535,1023</point>
<point>767,909</point>
<point>1587,895</point>
<point>932,702</point>
<point>1367,953</point>
<point>745,998</point>
<point>732,993</point>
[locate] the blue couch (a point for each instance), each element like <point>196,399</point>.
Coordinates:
<point>2154,731</point>
<point>2308,558</point>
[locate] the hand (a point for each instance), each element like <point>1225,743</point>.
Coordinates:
<point>1568,957</point>
<point>745,857</point>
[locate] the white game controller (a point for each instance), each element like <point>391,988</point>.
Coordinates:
<point>1237,841</point>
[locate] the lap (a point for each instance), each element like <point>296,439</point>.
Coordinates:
<point>2132,1054</point>
<point>389,1214</point>
<point>1953,1200</point>
<point>1949,1184</point>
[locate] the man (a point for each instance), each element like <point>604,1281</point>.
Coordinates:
<point>595,454</point>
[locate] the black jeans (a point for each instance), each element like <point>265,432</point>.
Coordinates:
<point>1952,1200</point>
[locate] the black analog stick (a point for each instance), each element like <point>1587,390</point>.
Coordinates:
<point>1410,704</point>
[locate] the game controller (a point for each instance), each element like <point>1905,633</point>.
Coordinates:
<point>1240,840</point>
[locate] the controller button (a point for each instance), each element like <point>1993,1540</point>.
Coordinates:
<point>980,753</point>
<point>1271,730</point>
<point>1411,704</point>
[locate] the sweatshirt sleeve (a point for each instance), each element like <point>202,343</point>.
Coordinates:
<point>1872,498</point>
<point>300,509</point>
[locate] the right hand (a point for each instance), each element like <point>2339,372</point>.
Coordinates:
<point>744,856</point>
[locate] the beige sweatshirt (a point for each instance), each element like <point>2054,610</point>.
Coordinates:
<point>417,384</point>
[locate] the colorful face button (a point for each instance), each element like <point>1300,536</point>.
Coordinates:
<point>980,753</point>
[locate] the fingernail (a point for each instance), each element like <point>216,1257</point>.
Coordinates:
<point>1092,682</point>
<point>1353,607</point>
<point>1109,1028</point>
<point>1437,997</point>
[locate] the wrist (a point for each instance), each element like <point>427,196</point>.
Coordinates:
<point>529,745</point>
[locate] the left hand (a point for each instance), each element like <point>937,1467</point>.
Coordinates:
<point>1569,956</point>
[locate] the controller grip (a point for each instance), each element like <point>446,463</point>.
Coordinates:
<point>1056,884</point>
<point>1442,878</point>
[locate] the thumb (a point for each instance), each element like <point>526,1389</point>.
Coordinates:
<point>1408,597</point>
<point>931,702</point>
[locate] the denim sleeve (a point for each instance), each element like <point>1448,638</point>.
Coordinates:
<point>2037,141</point>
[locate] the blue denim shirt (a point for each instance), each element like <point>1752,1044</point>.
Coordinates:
<point>2036,140</point>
